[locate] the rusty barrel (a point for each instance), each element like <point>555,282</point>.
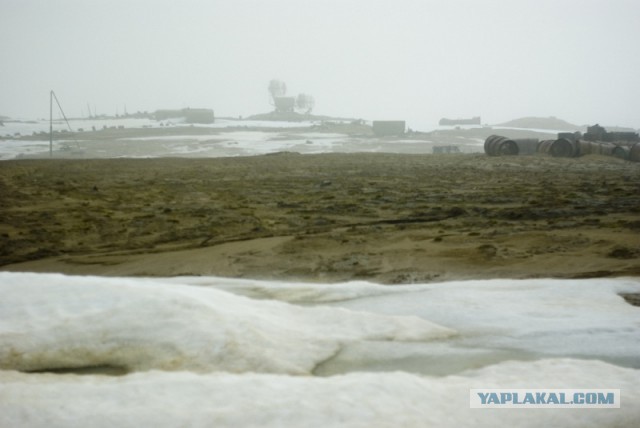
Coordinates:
<point>560,148</point>
<point>634,153</point>
<point>598,148</point>
<point>527,146</point>
<point>621,152</point>
<point>495,145</point>
<point>607,149</point>
<point>588,147</point>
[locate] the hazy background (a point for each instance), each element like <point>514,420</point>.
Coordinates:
<point>417,60</point>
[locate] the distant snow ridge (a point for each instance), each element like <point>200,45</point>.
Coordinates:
<point>56,322</point>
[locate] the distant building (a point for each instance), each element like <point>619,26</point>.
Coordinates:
<point>451,122</point>
<point>190,115</point>
<point>385,128</point>
<point>598,133</point>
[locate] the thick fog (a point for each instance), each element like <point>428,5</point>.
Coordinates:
<point>415,60</point>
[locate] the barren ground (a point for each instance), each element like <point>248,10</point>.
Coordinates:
<point>388,218</point>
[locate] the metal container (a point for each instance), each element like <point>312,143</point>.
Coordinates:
<point>496,145</point>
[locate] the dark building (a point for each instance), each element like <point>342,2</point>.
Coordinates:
<point>384,128</point>
<point>598,133</point>
<point>451,122</point>
<point>190,115</point>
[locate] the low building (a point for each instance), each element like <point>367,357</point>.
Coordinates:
<point>387,128</point>
<point>598,133</point>
<point>198,115</point>
<point>453,122</point>
<point>190,115</point>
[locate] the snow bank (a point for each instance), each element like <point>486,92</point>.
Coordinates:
<point>53,321</point>
<point>200,356</point>
<point>536,318</point>
<point>168,399</point>
<point>295,292</point>
<point>496,319</point>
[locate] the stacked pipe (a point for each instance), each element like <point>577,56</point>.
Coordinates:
<point>496,145</point>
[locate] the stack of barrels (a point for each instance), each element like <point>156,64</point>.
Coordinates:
<point>496,145</point>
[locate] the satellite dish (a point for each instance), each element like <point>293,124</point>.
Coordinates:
<point>277,89</point>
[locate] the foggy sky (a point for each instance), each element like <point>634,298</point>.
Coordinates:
<point>417,60</point>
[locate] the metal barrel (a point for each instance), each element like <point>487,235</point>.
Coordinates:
<point>621,152</point>
<point>545,146</point>
<point>607,149</point>
<point>496,145</point>
<point>587,147</point>
<point>634,153</point>
<point>598,148</point>
<point>560,148</point>
<point>527,146</point>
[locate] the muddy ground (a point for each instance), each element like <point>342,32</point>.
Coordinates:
<point>387,218</point>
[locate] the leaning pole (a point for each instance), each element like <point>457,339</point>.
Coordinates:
<point>51,124</point>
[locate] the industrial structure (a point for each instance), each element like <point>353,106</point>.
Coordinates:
<point>304,103</point>
<point>284,104</point>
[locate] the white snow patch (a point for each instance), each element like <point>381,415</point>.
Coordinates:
<point>168,399</point>
<point>496,319</point>
<point>541,130</point>
<point>10,149</point>
<point>295,292</point>
<point>202,356</point>
<point>53,321</point>
<point>179,138</point>
<point>230,123</point>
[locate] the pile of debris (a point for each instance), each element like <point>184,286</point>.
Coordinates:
<point>596,141</point>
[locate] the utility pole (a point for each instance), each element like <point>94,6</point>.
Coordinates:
<point>51,124</point>
<point>52,95</point>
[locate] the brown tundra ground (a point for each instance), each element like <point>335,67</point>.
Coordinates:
<point>387,218</point>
